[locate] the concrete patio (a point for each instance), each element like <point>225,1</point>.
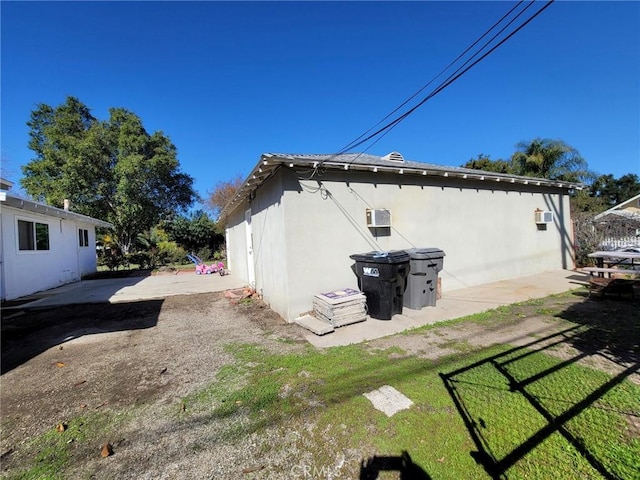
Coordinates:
<point>131,289</point>
<point>456,304</point>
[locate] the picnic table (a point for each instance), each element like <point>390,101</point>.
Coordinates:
<point>612,263</point>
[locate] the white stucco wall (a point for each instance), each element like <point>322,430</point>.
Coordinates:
<point>27,272</point>
<point>486,230</point>
<point>270,247</point>
<point>236,243</point>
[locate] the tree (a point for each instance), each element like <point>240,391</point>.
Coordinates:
<point>113,170</point>
<point>613,191</point>
<point>552,159</point>
<point>483,162</point>
<point>222,194</point>
<point>194,232</point>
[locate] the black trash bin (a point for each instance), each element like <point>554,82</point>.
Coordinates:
<point>382,277</point>
<point>422,283</point>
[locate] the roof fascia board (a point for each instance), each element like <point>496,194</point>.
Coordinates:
<point>270,162</point>
<point>466,174</point>
<point>43,209</point>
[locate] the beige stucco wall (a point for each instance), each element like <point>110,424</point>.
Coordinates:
<point>308,230</point>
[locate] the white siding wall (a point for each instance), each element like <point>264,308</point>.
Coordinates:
<point>27,272</point>
<point>88,260</point>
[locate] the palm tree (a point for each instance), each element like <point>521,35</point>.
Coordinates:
<point>552,159</point>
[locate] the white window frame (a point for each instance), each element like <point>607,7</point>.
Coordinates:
<point>83,237</point>
<point>35,249</point>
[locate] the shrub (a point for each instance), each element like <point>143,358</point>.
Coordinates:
<point>170,252</point>
<point>205,254</point>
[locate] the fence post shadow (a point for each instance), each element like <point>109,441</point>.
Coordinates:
<point>497,467</point>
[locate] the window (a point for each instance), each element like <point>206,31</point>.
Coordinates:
<point>33,235</point>
<point>83,237</point>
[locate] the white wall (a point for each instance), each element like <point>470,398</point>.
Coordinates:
<point>88,260</point>
<point>27,272</point>
<point>304,232</point>
<point>270,246</point>
<point>486,230</point>
<point>236,244</point>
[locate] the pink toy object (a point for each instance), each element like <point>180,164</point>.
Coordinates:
<point>204,269</point>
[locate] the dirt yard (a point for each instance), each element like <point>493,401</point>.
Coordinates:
<point>146,357</point>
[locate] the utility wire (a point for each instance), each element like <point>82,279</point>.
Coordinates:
<point>346,147</point>
<point>450,77</point>
<point>453,77</point>
<point>395,122</point>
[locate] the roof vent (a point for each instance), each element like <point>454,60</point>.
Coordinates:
<point>394,157</point>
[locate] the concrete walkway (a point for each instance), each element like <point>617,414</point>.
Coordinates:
<point>132,289</point>
<point>456,304</point>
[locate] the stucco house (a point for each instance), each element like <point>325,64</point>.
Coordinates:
<point>292,226</point>
<point>41,246</point>
<point>620,225</point>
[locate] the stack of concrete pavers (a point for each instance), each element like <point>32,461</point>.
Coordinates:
<point>340,307</point>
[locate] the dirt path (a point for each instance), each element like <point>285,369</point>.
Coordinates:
<point>80,360</point>
<point>86,358</point>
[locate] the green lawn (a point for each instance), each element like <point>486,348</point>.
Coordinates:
<point>524,412</point>
<point>518,412</point>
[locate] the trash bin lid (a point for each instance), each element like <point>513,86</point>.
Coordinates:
<point>393,256</point>
<point>425,253</point>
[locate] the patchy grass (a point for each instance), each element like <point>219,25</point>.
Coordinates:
<point>53,451</point>
<point>512,398</point>
<point>502,411</point>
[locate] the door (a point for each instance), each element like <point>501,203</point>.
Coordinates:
<point>251,269</point>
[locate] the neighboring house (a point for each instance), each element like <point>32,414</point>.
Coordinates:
<point>42,247</point>
<point>620,225</point>
<point>293,224</point>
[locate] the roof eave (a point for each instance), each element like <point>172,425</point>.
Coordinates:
<point>41,208</point>
<point>269,162</point>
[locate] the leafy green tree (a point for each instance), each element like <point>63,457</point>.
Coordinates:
<point>483,162</point>
<point>614,191</point>
<point>113,170</point>
<point>194,232</point>
<point>583,202</point>
<point>552,159</point>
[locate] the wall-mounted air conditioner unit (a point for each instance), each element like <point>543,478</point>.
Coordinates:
<point>543,217</point>
<point>378,218</point>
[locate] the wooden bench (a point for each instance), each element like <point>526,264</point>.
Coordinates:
<point>623,271</point>
<point>603,285</point>
<point>618,286</point>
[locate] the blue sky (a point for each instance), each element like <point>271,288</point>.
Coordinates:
<point>229,81</point>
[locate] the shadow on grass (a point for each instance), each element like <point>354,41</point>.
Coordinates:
<point>403,464</point>
<point>27,335</point>
<point>604,331</point>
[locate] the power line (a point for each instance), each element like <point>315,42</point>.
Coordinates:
<point>346,147</point>
<point>381,132</point>
<point>448,82</point>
